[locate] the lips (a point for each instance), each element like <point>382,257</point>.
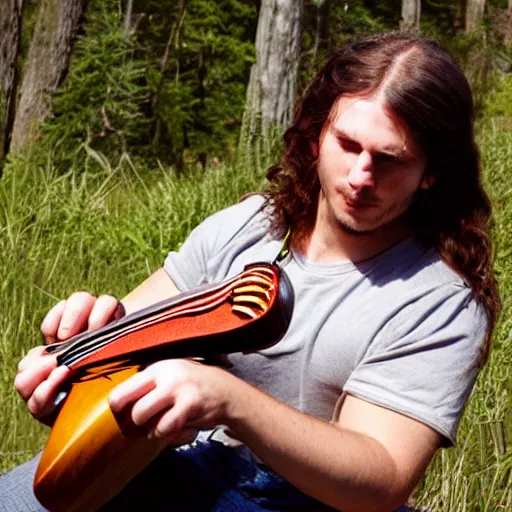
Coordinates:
<point>358,203</point>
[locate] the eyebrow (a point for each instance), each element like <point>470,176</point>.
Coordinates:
<point>393,151</point>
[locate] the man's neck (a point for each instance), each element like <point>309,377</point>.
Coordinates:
<point>330,242</point>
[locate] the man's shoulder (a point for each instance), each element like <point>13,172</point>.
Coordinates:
<point>239,219</point>
<point>429,289</point>
<point>207,254</point>
<point>241,212</point>
<point>421,284</point>
<point>437,269</point>
<point>413,265</point>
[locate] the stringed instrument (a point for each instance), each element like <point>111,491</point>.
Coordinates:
<point>91,453</point>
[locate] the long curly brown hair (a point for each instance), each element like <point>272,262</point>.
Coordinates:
<point>426,89</point>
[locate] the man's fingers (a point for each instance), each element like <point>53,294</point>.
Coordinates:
<point>186,436</point>
<point>40,401</point>
<point>41,404</point>
<point>80,312</point>
<point>28,360</point>
<point>27,381</point>
<point>76,314</point>
<point>174,420</point>
<point>119,312</point>
<point>130,390</point>
<point>58,377</point>
<point>51,322</point>
<point>104,310</point>
<point>150,405</point>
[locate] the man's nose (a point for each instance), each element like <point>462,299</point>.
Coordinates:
<point>361,174</point>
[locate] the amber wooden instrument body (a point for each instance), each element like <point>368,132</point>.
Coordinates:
<point>92,454</point>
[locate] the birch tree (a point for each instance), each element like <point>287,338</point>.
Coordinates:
<point>47,64</point>
<point>475,10</point>
<point>271,90</point>
<point>411,14</point>
<point>10,35</point>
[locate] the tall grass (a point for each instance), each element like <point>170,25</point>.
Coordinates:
<point>477,475</point>
<point>103,230</point>
<point>107,228</point>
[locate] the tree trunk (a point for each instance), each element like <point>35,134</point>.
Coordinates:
<point>411,14</point>
<point>475,10</point>
<point>271,90</point>
<point>47,64</point>
<point>459,15</point>
<point>10,38</point>
<point>321,16</point>
<point>508,31</point>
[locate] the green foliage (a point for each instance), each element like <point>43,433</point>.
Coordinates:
<point>122,95</point>
<point>476,55</point>
<point>101,100</point>
<point>336,23</point>
<point>499,104</point>
<point>206,79</point>
<point>173,89</point>
<point>442,18</point>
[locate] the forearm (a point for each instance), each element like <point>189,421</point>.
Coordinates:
<point>155,288</point>
<point>344,469</point>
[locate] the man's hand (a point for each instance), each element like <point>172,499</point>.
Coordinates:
<point>174,397</point>
<point>39,378</point>
<point>81,312</point>
<point>346,466</point>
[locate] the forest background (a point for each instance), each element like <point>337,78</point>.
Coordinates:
<point>124,123</point>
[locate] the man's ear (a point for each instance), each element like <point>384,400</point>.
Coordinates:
<point>427,181</point>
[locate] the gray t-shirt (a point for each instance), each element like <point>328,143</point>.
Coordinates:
<point>400,330</point>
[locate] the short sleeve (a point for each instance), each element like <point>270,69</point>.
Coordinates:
<point>188,267</point>
<point>424,362</point>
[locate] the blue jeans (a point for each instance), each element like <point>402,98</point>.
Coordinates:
<point>206,477</point>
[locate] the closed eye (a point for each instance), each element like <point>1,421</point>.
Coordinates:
<point>350,146</point>
<point>386,158</point>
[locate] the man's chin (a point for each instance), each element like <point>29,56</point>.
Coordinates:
<point>354,230</point>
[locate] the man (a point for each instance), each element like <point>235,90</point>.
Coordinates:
<point>395,306</point>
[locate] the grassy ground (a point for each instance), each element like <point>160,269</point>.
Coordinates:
<point>107,229</point>
<point>477,475</point>
<point>104,231</point>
